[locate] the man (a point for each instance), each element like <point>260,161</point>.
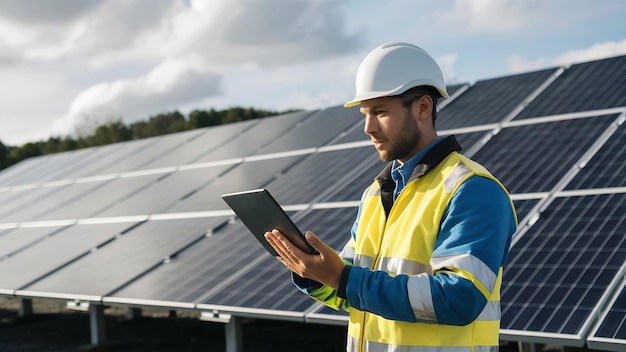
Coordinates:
<point>423,267</point>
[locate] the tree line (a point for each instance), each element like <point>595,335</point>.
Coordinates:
<point>118,131</point>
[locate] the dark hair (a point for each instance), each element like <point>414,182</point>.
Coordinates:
<point>408,97</point>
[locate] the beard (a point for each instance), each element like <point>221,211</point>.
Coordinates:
<point>403,143</point>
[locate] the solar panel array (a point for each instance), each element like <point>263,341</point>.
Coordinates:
<point>141,223</point>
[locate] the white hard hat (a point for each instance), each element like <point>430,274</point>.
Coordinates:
<point>392,69</point>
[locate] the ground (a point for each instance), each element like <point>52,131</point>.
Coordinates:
<point>55,328</point>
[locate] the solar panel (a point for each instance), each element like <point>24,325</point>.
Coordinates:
<point>319,173</point>
<point>18,239</point>
<point>160,147</point>
<point>319,129</point>
<point>125,258</point>
<point>561,268</point>
<point>558,271</point>
<point>610,334</point>
<point>451,89</point>
<point>55,166</point>
<point>53,248</point>
<point>587,86</point>
<point>14,173</point>
<point>244,176</point>
<point>51,201</point>
<point>523,207</point>
<point>267,284</point>
<point>98,199</point>
<point>19,199</point>
<point>607,168</point>
<point>198,269</point>
<point>253,139</point>
<point>107,159</point>
<point>490,101</point>
<point>165,192</point>
<point>533,158</point>
<point>352,189</point>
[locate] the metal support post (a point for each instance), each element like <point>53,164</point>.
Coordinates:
<point>97,324</point>
<point>234,335</point>
<point>26,307</point>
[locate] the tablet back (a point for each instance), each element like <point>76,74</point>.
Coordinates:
<point>260,212</point>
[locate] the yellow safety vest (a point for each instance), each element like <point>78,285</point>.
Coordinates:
<point>408,233</point>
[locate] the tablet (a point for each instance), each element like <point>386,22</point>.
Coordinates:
<point>260,213</point>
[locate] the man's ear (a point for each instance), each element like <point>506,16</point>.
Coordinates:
<point>423,108</point>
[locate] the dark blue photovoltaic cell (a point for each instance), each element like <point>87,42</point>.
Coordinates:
<point>559,269</point>
<point>319,173</point>
<point>533,158</point>
<point>490,101</point>
<point>607,168</point>
<point>587,86</point>
<point>614,323</point>
<point>267,284</point>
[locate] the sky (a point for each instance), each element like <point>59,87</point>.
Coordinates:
<point>67,66</point>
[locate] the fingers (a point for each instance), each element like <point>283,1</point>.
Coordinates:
<point>316,243</point>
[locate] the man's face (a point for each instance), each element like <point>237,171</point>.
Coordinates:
<point>392,128</point>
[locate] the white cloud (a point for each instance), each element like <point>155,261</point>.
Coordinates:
<point>517,63</point>
<point>173,83</point>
